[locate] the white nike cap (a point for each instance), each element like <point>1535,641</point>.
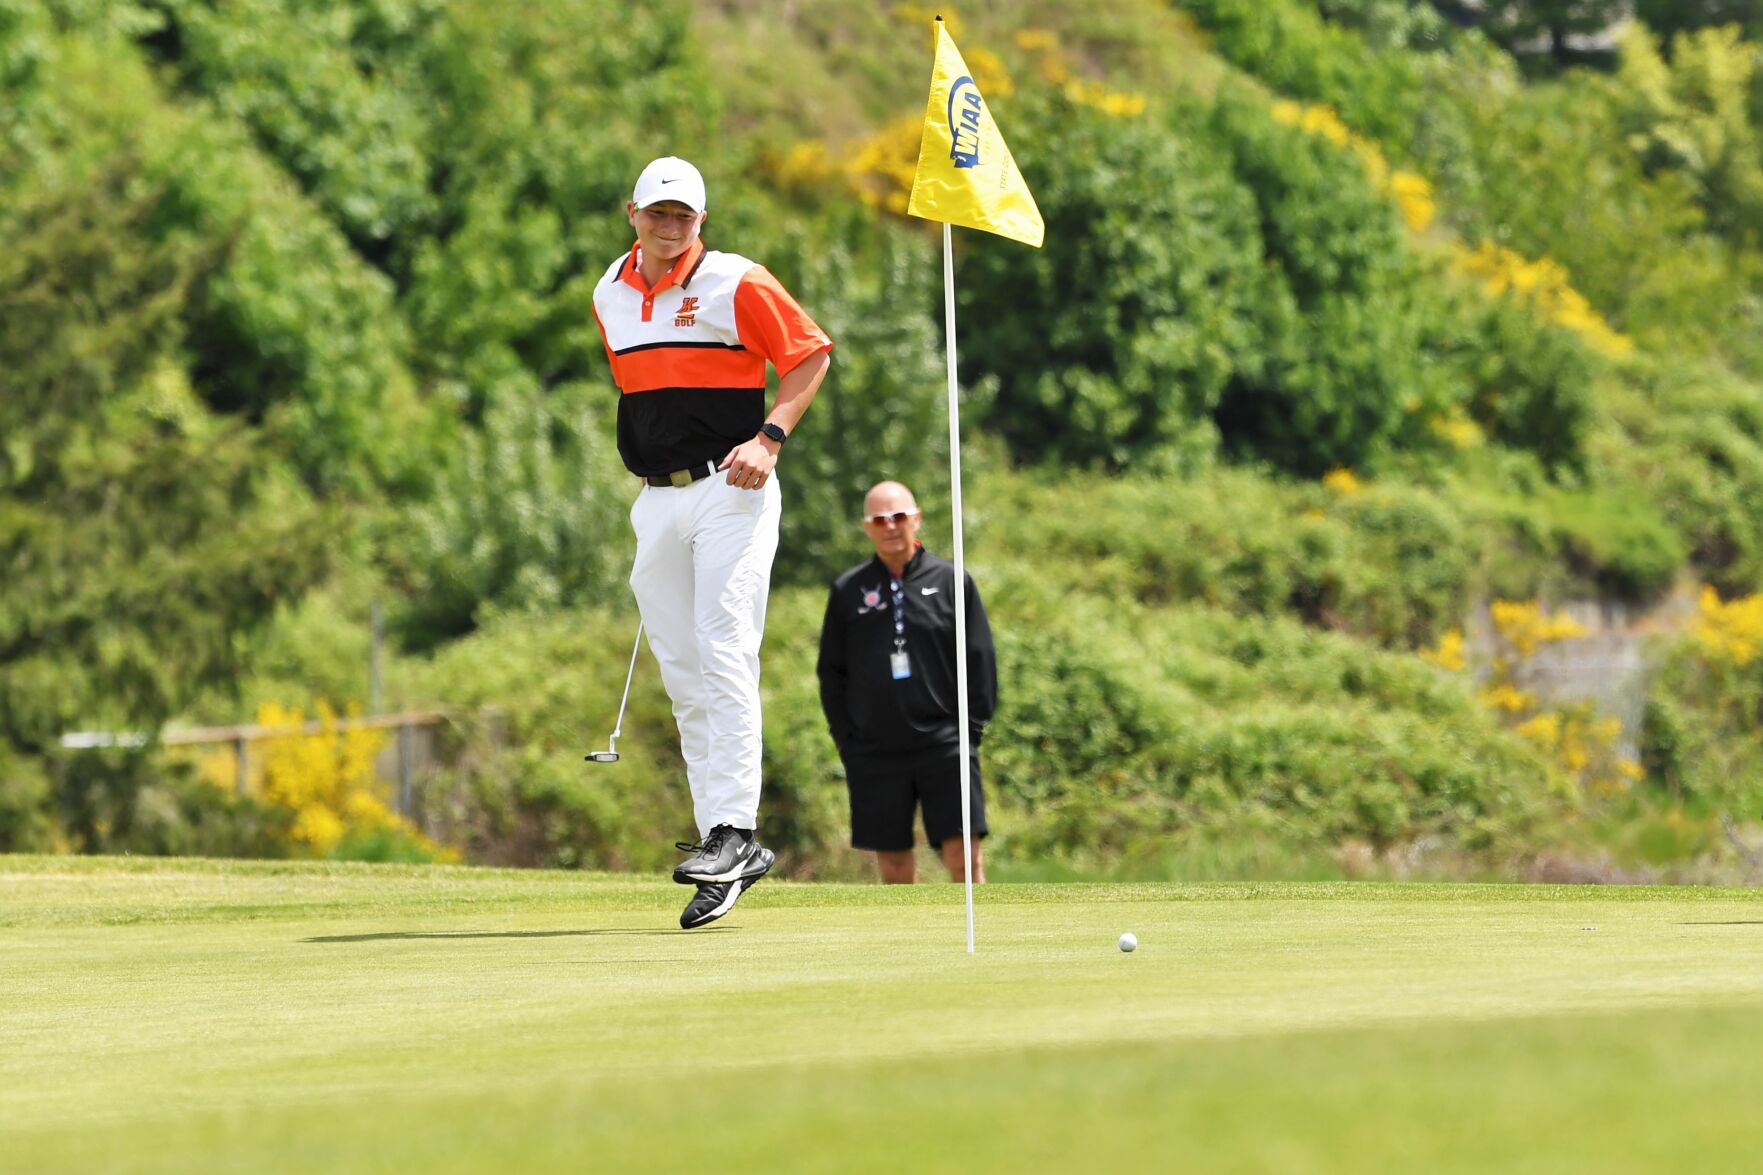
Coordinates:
<point>670,178</point>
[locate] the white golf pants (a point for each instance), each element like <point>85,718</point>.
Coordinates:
<point>701,577</point>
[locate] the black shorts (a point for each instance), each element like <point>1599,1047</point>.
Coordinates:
<point>885,789</point>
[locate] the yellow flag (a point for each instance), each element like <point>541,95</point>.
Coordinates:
<point>965,173</point>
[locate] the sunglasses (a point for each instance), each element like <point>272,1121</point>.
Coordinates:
<point>898,518</point>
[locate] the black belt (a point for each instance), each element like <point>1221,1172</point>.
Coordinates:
<point>683,477</point>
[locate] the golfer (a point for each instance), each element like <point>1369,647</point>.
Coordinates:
<point>887,686</point>
<point>689,332</point>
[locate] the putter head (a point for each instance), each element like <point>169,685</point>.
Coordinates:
<point>601,756</point>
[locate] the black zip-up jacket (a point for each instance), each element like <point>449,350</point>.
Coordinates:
<point>870,713</point>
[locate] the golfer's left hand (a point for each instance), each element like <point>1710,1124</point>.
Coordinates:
<point>749,464</point>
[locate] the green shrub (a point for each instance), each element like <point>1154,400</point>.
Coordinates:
<point>132,581</point>
<point>1542,168</point>
<point>1692,116</point>
<point>352,137</point>
<point>1534,536</point>
<point>1210,270</point>
<point>882,411</point>
<point>1121,726</point>
<point>1387,24</point>
<point>1235,725</point>
<point>23,45</point>
<point>1691,437</point>
<point>24,808</point>
<point>1335,372</point>
<point>1702,737</point>
<point>118,800</point>
<point>1112,344</point>
<point>528,512</point>
<point>1289,47</point>
<point>1389,563</point>
<point>1530,381</point>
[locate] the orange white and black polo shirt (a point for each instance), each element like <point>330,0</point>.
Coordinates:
<point>689,355</point>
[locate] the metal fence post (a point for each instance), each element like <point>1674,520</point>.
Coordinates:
<point>373,669</point>
<point>406,746</point>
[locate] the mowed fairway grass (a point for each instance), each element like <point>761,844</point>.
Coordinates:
<point>183,1016</point>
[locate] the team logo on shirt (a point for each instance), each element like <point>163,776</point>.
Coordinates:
<point>688,312</point>
<point>872,601</point>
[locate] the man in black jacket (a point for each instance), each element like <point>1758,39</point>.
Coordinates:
<point>887,685</point>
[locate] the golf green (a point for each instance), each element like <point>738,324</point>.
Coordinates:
<point>214,1016</point>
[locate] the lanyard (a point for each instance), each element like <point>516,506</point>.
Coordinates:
<point>899,615</point>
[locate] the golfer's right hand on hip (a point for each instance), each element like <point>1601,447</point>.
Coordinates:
<point>749,464</point>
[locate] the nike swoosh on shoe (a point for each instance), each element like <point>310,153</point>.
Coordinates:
<point>731,874</point>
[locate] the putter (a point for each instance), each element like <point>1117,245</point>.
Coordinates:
<point>610,754</point>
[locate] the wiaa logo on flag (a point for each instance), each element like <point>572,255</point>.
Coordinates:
<point>965,174</point>
<point>964,134</point>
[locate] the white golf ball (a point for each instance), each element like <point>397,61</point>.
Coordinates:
<point>1129,941</point>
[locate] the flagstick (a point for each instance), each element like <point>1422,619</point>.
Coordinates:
<point>960,576</point>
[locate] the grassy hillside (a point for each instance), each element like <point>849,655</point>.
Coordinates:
<point>1342,336</point>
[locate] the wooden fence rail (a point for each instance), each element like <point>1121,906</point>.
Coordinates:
<point>242,736</point>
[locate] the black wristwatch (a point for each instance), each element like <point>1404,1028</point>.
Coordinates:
<point>774,432</point>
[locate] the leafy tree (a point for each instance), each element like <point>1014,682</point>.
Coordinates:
<point>322,89</point>
<point>1292,49</point>
<point>1667,18</point>
<point>1112,345</point>
<point>1411,24</point>
<point>1222,275</point>
<point>527,512</point>
<point>1336,375</point>
<point>882,411</point>
<point>1692,117</point>
<point>478,154</point>
<point>140,536</point>
<point>21,50</point>
<point>1553,24</point>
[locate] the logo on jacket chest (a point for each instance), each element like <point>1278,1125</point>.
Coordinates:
<point>872,601</point>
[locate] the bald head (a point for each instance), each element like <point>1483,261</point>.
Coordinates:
<point>885,497</point>
<point>890,519</point>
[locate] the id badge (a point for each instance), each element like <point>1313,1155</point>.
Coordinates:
<point>901,663</point>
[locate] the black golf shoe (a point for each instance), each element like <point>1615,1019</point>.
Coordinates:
<point>716,898</point>
<point>727,854</point>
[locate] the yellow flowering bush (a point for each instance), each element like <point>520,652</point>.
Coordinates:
<point>1343,482</point>
<point>1704,728</point>
<point>1544,284</point>
<point>1583,743</point>
<point>1524,626</point>
<point>1053,64</point>
<point>1544,729</point>
<point>1459,431</point>
<point>879,168</point>
<point>1412,193</point>
<point>989,74</point>
<point>1575,736</point>
<point>1508,698</point>
<point>1448,653</point>
<point>1502,272</point>
<point>1731,631</point>
<point>326,778</point>
<point>1414,198</point>
<point>1100,97</point>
